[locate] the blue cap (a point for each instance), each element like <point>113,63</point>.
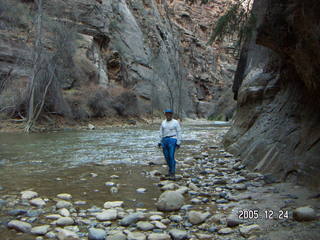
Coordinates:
<point>168,111</point>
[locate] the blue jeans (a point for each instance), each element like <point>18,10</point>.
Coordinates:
<point>169,148</point>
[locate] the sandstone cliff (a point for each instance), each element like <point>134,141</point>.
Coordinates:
<point>276,128</point>
<point>131,58</point>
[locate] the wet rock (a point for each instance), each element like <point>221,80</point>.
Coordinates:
<point>38,202</point>
<point>28,194</point>
<point>145,226</point>
<point>64,234</point>
<point>159,236</point>
<point>17,212</point>
<point>177,234</point>
<point>20,226</point>
<point>141,190</point>
<point>53,216</point>
<point>96,234</point>
<point>65,196</point>
<point>132,218</point>
<point>40,230</point>
<point>136,236</point>
<point>80,202</point>
<point>170,201</point>
<point>65,221</point>
<point>304,214</point>
<point>63,204</point>
<point>225,231</point>
<point>91,127</point>
<point>196,217</point>
<point>107,215</point>
<point>247,231</point>
<point>233,221</point>
<point>113,204</point>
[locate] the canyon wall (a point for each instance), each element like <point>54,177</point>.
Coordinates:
<point>276,127</point>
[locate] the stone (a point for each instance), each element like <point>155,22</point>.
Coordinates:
<point>159,225</point>
<point>65,221</point>
<point>110,184</point>
<point>17,212</point>
<point>145,226</point>
<point>91,127</point>
<point>116,235</point>
<point>132,218</point>
<point>247,231</point>
<point>28,194</point>
<point>64,196</point>
<point>63,204</point>
<point>196,217</point>
<point>170,201</point>
<point>176,218</point>
<point>113,204</point>
<point>177,234</point>
<point>155,218</point>
<point>233,220</point>
<point>38,202</point>
<point>225,231</point>
<point>64,234</point>
<point>136,236</point>
<point>107,215</point>
<point>51,235</point>
<point>159,236</point>
<point>304,214</point>
<point>193,187</point>
<point>40,230</point>
<point>169,186</point>
<point>141,190</point>
<point>53,216</point>
<point>203,236</point>
<point>96,234</point>
<point>20,226</point>
<point>64,212</point>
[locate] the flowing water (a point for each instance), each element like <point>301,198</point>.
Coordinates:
<point>80,162</point>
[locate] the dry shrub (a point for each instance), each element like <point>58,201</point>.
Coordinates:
<point>100,103</point>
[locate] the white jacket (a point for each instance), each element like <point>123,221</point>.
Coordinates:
<point>171,129</point>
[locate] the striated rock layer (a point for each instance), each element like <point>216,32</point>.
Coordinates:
<point>126,59</point>
<point>276,128</point>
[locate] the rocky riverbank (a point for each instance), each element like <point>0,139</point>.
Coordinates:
<point>213,197</point>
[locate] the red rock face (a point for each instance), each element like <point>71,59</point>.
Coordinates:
<point>276,128</point>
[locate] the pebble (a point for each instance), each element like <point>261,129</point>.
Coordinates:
<point>28,194</point>
<point>17,212</point>
<point>38,202</point>
<point>110,184</point>
<point>233,221</point>
<point>51,235</point>
<point>159,236</point>
<point>176,218</point>
<point>64,234</point>
<point>159,225</point>
<point>141,190</point>
<point>116,235</point>
<point>169,186</point>
<point>155,218</point>
<point>178,234</point>
<point>145,226</point>
<point>225,231</point>
<point>196,217</point>
<point>204,236</point>
<point>132,218</point>
<point>65,221</point>
<point>64,212</point>
<point>97,234</point>
<point>304,214</point>
<point>20,226</point>
<point>40,230</point>
<point>107,215</point>
<point>53,216</point>
<point>136,236</point>
<point>64,196</point>
<point>247,231</point>
<point>63,204</point>
<point>113,204</point>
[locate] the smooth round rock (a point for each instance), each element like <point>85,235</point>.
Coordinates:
<point>64,234</point>
<point>225,231</point>
<point>40,230</point>
<point>65,196</point>
<point>170,201</point>
<point>145,226</point>
<point>38,202</point>
<point>196,217</point>
<point>159,236</point>
<point>65,221</point>
<point>132,218</point>
<point>28,194</point>
<point>96,234</point>
<point>304,214</point>
<point>113,204</point>
<point>249,230</point>
<point>63,204</point>
<point>177,234</point>
<point>136,236</point>
<point>20,226</point>
<point>107,215</point>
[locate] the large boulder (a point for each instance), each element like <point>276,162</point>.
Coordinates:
<point>170,201</point>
